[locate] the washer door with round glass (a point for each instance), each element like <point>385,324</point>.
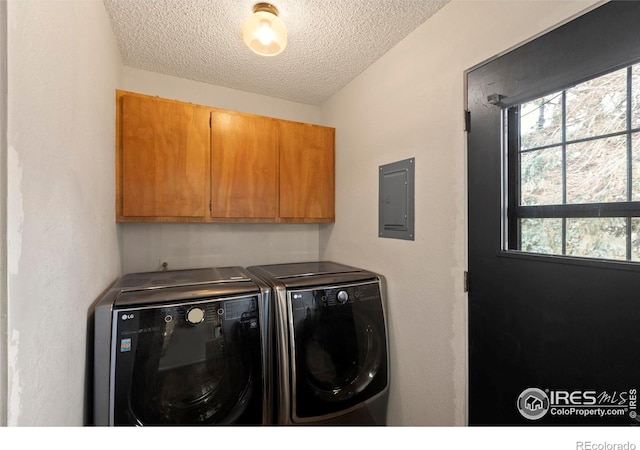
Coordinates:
<point>195,363</point>
<point>339,349</point>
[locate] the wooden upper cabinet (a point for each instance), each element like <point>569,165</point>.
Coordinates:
<point>307,172</point>
<point>162,159</point>
<point>180,162</point>
<point>243,166</point>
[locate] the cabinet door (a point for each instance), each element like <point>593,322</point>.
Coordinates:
<point>307,172</point>
<point>243,165</point>
<point>163,159</point>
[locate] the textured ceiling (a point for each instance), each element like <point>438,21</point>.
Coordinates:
<point>329,41</point>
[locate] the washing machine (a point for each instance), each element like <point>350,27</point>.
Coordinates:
<point>332,360</point>
<point>183,347</point>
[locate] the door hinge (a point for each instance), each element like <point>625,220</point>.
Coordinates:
<point>210,206</point>
<point>466,281</point>
<point>209,121</point>
<point>467,121</point>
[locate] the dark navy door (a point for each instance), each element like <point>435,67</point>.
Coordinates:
<point>553,337</point>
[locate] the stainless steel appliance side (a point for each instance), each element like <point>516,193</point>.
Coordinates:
<point>266,338</point>
<point>283,356</point>
<point>279,353</point>
<point>102,358</point>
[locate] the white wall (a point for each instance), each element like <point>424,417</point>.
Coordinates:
<point>410,103</point>
<point>63,67</point>
<point>3,213</point>
<point>151,83</point>
<point>145,247</point>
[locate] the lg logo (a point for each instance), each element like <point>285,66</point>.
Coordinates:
<point>127,316</point>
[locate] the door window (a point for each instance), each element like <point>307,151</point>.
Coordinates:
<point>574,169</point>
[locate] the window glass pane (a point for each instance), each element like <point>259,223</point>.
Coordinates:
<point>597,171</point>
<point>598,106</point>
<point>541,122</point>
<point>541,177</point>
<point>635,145</point>
<point>603,238</point>
<point>568,156</point>
<point>635,96</point>
<point>541,236</point>
<point>635,239</point>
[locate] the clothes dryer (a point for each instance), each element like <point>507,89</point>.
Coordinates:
<point>185,347</point>
<point>332,362</point>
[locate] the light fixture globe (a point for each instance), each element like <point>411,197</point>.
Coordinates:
<point>264,32</point>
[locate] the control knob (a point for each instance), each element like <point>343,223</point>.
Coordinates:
<point>342,297</point>
<point>195,315</point>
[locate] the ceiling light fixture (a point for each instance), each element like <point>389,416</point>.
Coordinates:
<point>264,32</point>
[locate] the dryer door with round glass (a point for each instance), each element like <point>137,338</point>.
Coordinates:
<point>339,349</point>
<point>188,363</point>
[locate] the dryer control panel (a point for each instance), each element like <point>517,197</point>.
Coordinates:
<point>335,296</point>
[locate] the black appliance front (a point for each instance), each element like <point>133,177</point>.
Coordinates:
<point>339,349</point>
<point>187,363</point>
